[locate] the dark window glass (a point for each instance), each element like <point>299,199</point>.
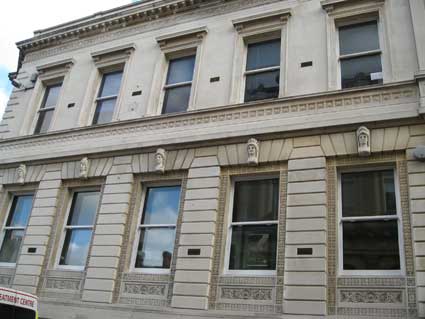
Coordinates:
<point>76,247</point>
<point>176,99</point>
<point>51,95</point>
<point>50,100</point>
<point>256,200</point>
<point>263,55</point>
<point>262,86</point>
<point>155,248</point>
<point>368,194</point>
<point>253,247</point>
<point>371,245</point>
<point>44,120</point>
<point>11,244</point>
<point>83,210</point>
<point>361,71</point>
<point>358,38</point>
<point>104,111</point>
<point>181,70</point>
<point>108,94</point>
<point>79,228</point>
<point>156,243</point>
<point>111,84</point>
<point>20,211</point>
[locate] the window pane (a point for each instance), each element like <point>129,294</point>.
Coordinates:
<point>51,95</point>
<point>104,111</point>
<point>111,84</point>
<point>75,247</point>
<point>155,248</point>
<point>253,247</point>
<point>12,312</point>
<point>262,55</point>
<point>176,99</point>
<point>20,211</point>
<point>43,122</point>
<point>162,205</point>
<point>361,71</point>
<point>358,38</point>
<point>262,86</point>
<point>11,244</point>
<point>368,194</point>
<point>181,70</point>
<point>256,200</point>
<point>371,245</point>
<point>84,207</point>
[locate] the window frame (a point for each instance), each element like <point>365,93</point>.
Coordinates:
<point>345,13</point>
<point>139,226</point>
<point>41,109</point>
<point>194,52</point>
<point>6,217</point>
<point>397,217</point>
<point>101,72</point>
<point>351,56</point>
<point>263,38</point>
<point>230,224</point>
<point>65,228</point>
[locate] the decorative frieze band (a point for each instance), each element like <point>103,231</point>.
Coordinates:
<point>371,296</point>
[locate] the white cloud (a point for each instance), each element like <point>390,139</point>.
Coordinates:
<point>18,20</point>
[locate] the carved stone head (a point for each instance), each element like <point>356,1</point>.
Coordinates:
<point>21,172</point>
<point>253,150</point>
<point>363,141</point>
<point>160,158</point>
<point>84,167</point>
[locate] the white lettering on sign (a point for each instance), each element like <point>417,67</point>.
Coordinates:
<point>17,298</point>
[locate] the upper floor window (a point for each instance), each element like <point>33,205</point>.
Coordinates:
<point>14,228</point>
<point>262,75</point>
<point>107,97</point>
<point>157,230</point>
<point>254,226</point>
<point>79,229</point>
<point>47,108</point>
<point>179,84</point>
<point>370,222</point>
<point>360,55</point>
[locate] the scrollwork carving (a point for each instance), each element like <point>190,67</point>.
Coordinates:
<point>247,293</point>
<point>370,296</point>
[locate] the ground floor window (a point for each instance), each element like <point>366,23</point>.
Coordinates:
<point>370,221</point>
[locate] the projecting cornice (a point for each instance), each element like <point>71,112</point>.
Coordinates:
<point>331,5</point>
<point>111,20</point>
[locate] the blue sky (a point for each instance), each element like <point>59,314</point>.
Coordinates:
<point>59,11</point>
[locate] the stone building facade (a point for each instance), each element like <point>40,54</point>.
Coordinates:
<point>219,159</point>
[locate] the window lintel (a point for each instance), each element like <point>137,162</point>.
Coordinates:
<point>182,39</point>
<point>56,69</point>
<point>332,6</point>
<point>114,55</point>
<point>266,20</point>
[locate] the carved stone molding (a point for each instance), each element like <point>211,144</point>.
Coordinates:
<point>371,296</point>
<point>55,283</point>
<point>343,108</point>
<point>371,282</point>
<point>145,289</point>
<point>5,280</point>
<point>246,293</point>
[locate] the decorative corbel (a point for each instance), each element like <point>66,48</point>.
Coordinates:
<point>160,159</point>
<point>21,173</point>
<point>84,168</point>
<point>363,141</point>
<point>253,151</point>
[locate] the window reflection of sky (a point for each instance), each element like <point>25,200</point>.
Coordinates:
<point>76,247</point>
<point>156,244</point>
<point>21,210</point>
<point>162,205</point>
<point>84,208</point>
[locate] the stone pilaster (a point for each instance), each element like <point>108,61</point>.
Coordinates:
<point>196,245</point>
<point>416,173</point>
<point>29,265</point>
<point>108,234</point>
<point>305,245</point>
